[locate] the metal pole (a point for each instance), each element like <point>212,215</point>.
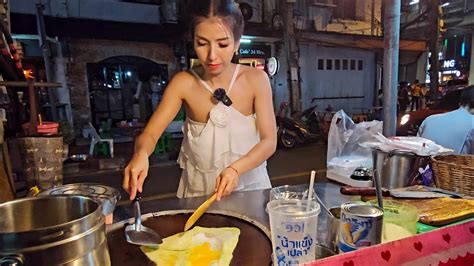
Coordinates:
<point>471,69</point>
<point>46,56</point>
<point>434,47</point>
<point>390,65</point>
<point>372,18</point>
<point>292,55</point>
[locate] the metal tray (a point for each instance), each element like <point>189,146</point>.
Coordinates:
<point>254,246</point>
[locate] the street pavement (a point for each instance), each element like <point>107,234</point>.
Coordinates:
<point>284,167</point>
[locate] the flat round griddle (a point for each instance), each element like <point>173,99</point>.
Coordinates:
<point>254,246</point>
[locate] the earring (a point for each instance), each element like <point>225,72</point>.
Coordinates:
<point>236,52</point>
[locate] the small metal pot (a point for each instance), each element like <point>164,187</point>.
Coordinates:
<point>332,236</point>
<point>53,230</point>
<point>323,252</point>
<point>396,168</point>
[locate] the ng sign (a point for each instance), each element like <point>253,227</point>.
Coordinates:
<point>449,63</point>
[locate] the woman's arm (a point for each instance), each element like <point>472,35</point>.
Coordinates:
<point>266,125</point>
<point>137,169</point>
<point>163,115</point>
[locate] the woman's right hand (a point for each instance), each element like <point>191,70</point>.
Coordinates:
<point>135,174</point>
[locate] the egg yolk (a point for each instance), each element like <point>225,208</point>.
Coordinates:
<point>202,255</point>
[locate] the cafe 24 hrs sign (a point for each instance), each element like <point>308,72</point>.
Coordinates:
<point>255,51</point>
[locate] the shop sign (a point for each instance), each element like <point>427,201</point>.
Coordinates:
<point>455,64</point>
<point>259,51</point>
<point>448,63</point>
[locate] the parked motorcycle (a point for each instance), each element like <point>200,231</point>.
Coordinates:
<point>299,129</point>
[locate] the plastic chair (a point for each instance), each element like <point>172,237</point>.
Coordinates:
<point>105,128</point>
<point>96,139</point>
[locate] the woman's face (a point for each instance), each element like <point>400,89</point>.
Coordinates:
<point>214,45</point>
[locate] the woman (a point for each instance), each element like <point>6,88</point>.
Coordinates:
<point>230,127</point>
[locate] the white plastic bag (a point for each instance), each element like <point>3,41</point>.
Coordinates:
<point>419,146</point>
<point>344,152</point>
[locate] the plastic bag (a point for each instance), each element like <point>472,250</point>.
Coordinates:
<point>419,146</point>
<point>344,152</point>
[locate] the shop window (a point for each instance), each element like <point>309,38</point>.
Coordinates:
<point>353,64</point>
<point>320,64</point>
<point>360,65</point>
<point>337,64</point>
<point>328,64</point>
<point>345,9</point>
<point>344,64</point>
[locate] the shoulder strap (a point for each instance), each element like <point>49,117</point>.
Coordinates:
<point>234,77</point>
<point>202,81</point>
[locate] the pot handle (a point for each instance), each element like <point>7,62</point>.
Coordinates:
<point>12,260</point>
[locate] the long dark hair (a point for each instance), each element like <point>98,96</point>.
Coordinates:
<point>226,10</point>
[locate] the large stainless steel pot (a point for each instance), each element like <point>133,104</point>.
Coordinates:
<point>396,168</point>
<point>53,230</point>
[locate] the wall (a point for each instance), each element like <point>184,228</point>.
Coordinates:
<point>336,83</point>
<point>323,21</point>
<point>279,82</point>
<point>93,51</point>
<point>421,71</point>
<point>93,9</point>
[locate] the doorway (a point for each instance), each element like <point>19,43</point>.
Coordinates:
<point>125,88</point>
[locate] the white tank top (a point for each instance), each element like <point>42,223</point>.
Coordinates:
<point>208,148</point>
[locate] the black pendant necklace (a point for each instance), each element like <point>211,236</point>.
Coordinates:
<point>221,96</point>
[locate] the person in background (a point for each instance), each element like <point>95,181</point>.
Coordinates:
<point>415,95</point>
<point>230,128</point>
<point>455,129</point>
<point>424,96</point>
<point>380,97</point>
<point>403,97</point>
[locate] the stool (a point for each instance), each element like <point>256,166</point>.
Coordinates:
<point>162,145</point>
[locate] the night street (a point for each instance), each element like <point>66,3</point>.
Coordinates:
<point>362,112</point>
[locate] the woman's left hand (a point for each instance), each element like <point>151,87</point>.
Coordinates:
<point>226,182</point>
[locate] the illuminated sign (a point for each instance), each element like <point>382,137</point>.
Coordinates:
<point>449,63</point>
<point>255,51</point>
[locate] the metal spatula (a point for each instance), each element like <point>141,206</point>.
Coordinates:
<point>138,234</point>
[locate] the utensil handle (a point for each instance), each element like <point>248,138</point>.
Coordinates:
<point>137,211</point>
<point>362,191</point>
<point>378,188</point>
<point>322,204</point>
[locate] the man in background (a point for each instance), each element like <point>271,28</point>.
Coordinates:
<point>415,96</point>
<point>455,129</point>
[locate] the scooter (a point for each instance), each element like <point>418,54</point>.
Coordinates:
<point>301,128</point>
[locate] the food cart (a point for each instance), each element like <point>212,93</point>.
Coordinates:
<point>246,210</point>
